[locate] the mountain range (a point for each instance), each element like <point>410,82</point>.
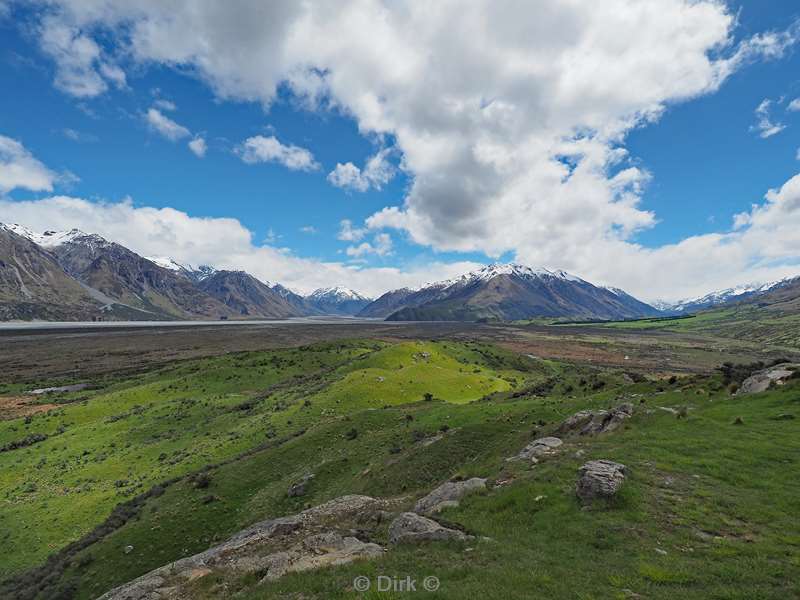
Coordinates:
<point>72,275</point>
<point>509,292</point>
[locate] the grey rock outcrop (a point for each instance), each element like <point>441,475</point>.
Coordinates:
<point>307,540</point>
<point>592,422</point>
<point>447,495</point>
<point>599,479</point>
<point>299,488</point>
<point>411,527</point>
<point>539,447</point>
<point>760,381</point>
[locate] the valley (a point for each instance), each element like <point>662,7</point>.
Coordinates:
<point>183,436</point>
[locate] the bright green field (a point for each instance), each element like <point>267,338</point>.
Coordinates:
<point>709,509</point>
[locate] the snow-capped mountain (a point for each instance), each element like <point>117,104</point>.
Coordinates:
<point>509,292</point>
<point>337,300</point>
<point>52,239</point>
<point>721,297</point>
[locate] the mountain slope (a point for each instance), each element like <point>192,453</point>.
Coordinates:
<point>338,301</point>
<point>247,296</point>
<point>513,292</point>
<point>132,281</point>
<point>34,286</point>
<point>725,297</point>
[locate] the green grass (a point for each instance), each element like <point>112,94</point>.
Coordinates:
<point>719,500</point>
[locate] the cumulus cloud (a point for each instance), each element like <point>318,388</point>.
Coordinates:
<point>81,68</point>
<point>377,172</point>
<point>20,169</point>
<point>259,149</point>
<point>510,118</point>
<point>165,126</point>
<point>221,242</point>
<point>198,146</point>
<point>164,104</point>
<point>381,246</point>
<point>794,105</point>
<point>348,233</point>
<point>764,126</point>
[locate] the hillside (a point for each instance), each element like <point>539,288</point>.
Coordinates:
<point>247,296</point>
<point>34,286</point>
<point>353,418</point>
<point>514,292</point>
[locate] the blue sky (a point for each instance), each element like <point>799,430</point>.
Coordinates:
<point>691,165</point>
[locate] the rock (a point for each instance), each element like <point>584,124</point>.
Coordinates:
<point>295,543</point>
<point>599,479</point>
<point>448,494</point>
<point>537,448</point>
<point>128,549</point>
<point>761,380</point>
<point>592,422</point>
<point>411,527</point>
<point>299,488</point>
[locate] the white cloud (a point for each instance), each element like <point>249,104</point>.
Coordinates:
<point>764,125</point>
<point>163,104</point>
<point>309,229</point>
<point>81,68</point>
<point>348,233</point>
<point>377,172</point>
<point>794,105</point>
<point>165,126</point>
<point>198,146</point>
<point>20,169</point>
<point>509,118</point>
<point>259,148</point>
<point>381,246</point>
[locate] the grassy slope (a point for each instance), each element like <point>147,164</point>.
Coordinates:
<point>718,498</point>
<point>122,440</point>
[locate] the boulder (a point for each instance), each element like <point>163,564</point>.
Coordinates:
<point>299,488</point>
<point>411,527</point>
<point>599,479</point>
<point>448,494</point>
<point>761,380</point>
<point>592,422</point>
<point>537,448</point>
<point>307,540</point>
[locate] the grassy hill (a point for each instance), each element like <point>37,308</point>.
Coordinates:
<point>707,510</point>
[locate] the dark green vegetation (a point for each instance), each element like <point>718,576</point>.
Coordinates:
<point>192,452</point>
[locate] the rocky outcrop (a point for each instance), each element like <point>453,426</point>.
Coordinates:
<point>299,488</point>
<point>760,381</point>
<point>538,448</point>
<point>314,538</point>
<point>447,495</point>
<point>411,527</point>
<point>599,479</point>
<point>592,422</point>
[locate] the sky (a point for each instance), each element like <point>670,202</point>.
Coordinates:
<point>650,145</point>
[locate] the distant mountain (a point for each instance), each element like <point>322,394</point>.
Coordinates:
<point>722,298</point>
<point>388,303</point>
<point>34,286</point>
<point>249,297</point>
<point>337,301</point>
<point>511,292</point>
<point>129,285</point>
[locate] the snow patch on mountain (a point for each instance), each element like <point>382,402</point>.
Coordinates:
<point>336,294</point>
<point>51,239</point>
<point>721,296</point>
<point>491,271</point>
